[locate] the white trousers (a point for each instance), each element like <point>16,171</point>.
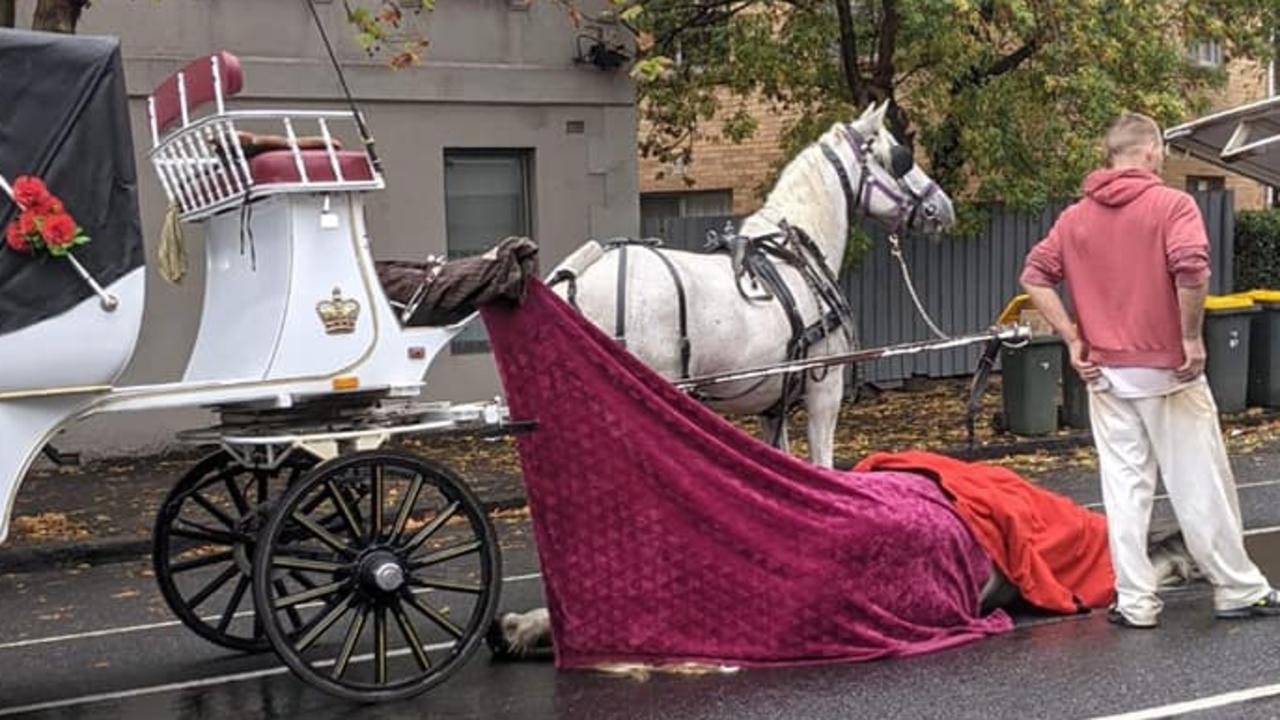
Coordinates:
<point>1177,436</point>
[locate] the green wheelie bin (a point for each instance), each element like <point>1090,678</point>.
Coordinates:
<point>1264,350</point>
<point>1031,375</point>
<point>1227,324</point>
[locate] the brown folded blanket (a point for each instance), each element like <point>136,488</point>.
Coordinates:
<point>443,293</point>
<point>252,144</point>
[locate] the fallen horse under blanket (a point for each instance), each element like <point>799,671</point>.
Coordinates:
<point>1054,551</point>
<point>666,534</point>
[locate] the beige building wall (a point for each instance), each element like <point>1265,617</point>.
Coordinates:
<point>719,164</point>
<point>1246,82</point>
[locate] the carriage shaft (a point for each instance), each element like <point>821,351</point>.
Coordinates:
<point>1013,333</point>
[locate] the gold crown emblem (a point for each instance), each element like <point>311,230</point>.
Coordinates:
<point>338,314</point>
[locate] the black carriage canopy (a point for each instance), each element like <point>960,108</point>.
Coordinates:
<point>64,118</point>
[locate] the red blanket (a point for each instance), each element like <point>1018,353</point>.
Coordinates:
<point>1054,550</point>
<point>666,534</point>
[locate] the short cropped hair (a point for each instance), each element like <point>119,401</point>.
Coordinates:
<point>1128,132</point>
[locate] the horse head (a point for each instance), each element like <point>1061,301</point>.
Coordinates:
<point>887,183</point>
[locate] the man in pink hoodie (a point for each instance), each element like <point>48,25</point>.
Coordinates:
<point>1135,259</point>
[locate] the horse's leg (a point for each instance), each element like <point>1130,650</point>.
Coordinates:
<point>769,429</point>
<point>999,592</point>
<point>822,401</point>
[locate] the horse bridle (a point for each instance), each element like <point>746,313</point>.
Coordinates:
<point>904,197</point>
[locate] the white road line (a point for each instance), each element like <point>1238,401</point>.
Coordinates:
<point>1243,486</point>
<point>191,684</point>
<point>1201,704</point>
<point>108,632</point>
<point>123,694</point>
<point>88,635</point>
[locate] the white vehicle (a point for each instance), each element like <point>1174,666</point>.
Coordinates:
<point>374,573</point>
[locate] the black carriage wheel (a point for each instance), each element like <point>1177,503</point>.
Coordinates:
<point>203,544</point>
<point>393,599</point>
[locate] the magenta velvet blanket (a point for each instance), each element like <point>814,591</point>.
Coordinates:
<point>668,535</point>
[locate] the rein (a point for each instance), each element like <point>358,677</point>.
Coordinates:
<point>907,200</point>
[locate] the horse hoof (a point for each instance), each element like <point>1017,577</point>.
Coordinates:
<point>499,648</point>
<point>507,643</point>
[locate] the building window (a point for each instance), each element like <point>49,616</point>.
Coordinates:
<point>1206,183</point>
<point>1207,54</point>
<point>488,196</point>
<point>661,214</point>
<point>702,203</point>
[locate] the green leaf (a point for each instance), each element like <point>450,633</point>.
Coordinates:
<point>359,16</point>
<point>1003,100</point>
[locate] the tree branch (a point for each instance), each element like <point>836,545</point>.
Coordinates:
<point>1014,59</point>
<point>58,15</point>
<point>882,77</point>
<point>704,14</point>
<point>979,76</point>
<point>849,53</point>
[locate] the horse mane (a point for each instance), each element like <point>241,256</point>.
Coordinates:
<point>806,198</point>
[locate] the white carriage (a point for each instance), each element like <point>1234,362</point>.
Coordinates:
<point>375,573</point>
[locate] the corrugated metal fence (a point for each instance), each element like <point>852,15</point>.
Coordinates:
<point>964,283</point>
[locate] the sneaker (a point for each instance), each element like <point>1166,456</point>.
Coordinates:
<point>1269,605</point>
<point>1115,617</point>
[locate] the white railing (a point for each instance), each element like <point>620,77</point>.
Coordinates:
<point>204,169</point>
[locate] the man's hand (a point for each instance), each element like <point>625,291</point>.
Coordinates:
<point>1193,362</point>
<point>1088,371</point>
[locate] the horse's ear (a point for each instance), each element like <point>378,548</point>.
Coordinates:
<point>872,119</point>
<point>877,114</point>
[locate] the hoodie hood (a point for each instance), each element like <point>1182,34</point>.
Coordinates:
<point>1115,188</point>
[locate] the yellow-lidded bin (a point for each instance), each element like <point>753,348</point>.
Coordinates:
<point>1227,329</point>
<point>1031,373</point>
<point>1028,400</point>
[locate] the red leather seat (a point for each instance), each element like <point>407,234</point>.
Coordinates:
<point>278,166</point>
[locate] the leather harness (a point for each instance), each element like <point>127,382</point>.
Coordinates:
<point>755,258</point>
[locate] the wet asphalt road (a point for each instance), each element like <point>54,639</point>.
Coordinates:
<point>100,643</point>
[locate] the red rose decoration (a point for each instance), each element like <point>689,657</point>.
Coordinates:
<point>27,223</point>
<point>43,226</point>
<point>16,239</point>
<point>31,193</point>
<point>59,230</point>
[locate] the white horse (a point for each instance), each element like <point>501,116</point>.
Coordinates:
<point>855,168</point>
